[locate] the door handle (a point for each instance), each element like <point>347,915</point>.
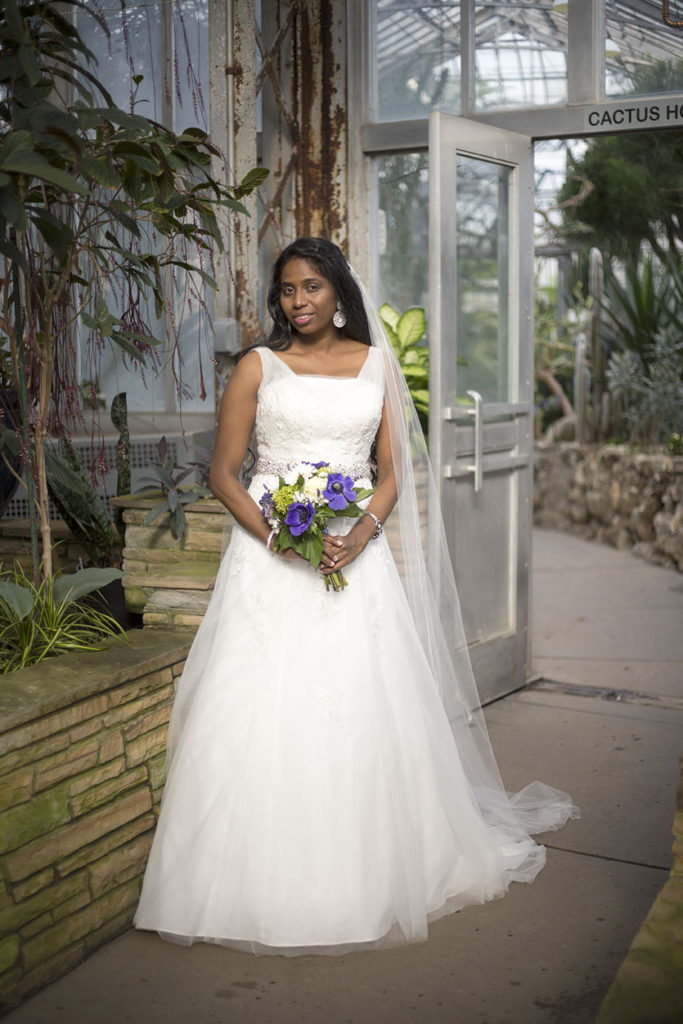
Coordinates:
<point>478,413</point>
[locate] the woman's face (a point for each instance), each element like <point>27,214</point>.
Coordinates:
<point>307,298</point>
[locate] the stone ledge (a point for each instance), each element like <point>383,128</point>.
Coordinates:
<point>150,499</point>
<point>649,985</point>
<point>82,774</point>
<point>34,692</point>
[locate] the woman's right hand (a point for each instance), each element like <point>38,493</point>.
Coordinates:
<point>288,553</point>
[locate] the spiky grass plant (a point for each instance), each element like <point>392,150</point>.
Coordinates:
<point>53,617</point>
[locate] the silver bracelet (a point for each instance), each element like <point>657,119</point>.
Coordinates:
<point>268,542</point>
<point>379,527</point>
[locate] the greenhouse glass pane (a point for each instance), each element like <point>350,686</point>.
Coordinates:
<point>520,55</point>
<point>191,64</point>
<point>417,58</point>
<point>403,223</point>
<point>520,60</point>
<point>483,274</point>
<point>133,46</point>
<point>643,55</point>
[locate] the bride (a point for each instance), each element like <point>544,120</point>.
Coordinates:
<point>330,784</point>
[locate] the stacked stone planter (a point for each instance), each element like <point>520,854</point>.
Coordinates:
<point>82,767</point>
<point>170,582</point>
<point>611,494</point>
<point>67,554</point>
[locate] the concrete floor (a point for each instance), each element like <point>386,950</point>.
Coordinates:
<point>605,722</point>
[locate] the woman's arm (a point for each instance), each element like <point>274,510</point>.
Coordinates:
<point>339,551</point>
<point>235,423</point>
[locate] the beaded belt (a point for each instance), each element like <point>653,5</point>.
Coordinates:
<point>270,466</point>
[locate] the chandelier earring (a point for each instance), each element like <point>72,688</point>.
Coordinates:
<point>339,318</point>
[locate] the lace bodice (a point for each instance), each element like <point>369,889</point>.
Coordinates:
<point>311,417</point>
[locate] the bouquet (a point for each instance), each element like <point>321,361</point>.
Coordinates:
<point>307,497</point>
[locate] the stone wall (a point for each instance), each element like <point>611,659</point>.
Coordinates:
<point>82,766</point>
<point>168,581</point>
<point>67,553</point>
<point>613,495</point>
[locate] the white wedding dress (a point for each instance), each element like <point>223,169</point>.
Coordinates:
<point>315,798</point>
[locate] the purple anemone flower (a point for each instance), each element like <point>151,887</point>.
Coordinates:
<point>266,503</point>
<point>339,491</point>
<point>299,517</point>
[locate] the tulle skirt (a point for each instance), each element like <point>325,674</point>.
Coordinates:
<point>315,799</point>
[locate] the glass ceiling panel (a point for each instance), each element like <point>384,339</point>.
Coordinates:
<point>417,58</point>
<point>521,55</point>
<point>643,54</point>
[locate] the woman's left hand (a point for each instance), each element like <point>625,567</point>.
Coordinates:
<point>340,551</point>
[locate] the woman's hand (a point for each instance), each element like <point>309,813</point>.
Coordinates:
<point>340,551</point>
<point>289,553</point>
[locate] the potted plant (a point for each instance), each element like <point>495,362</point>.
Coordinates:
<point>97,206</point>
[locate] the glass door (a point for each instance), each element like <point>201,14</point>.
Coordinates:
<point>481,382</point>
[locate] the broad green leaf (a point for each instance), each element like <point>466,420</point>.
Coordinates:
<point>132,122</point>
<point>411,326</point>
<point>233,204</point>
<point>389,315</point>
<point>284,540</point>
<point>14,143</point>
<point>393,337</point>
<point>29,63</point>
<point>58,235</point>
<point>14,27</point>
<point>145,339</point>
<point>363,492</point>
<point>140,159</point>
<point>12,209</point>
<point>74,586</point>
<point>155,513</point>
<point>415,374</point>
<point>312,548</point>
<point>11,252</point>
<point>123,340</point>
<point>206,278</point>
<point>101,170</point>
<point>251,180</point>
<point>34,165</point>
<point>19,599</point>
<point>120,213</point>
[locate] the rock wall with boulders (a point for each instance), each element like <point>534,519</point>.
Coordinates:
<point>613,495</point>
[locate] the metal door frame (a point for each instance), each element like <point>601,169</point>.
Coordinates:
<point>500,663</point>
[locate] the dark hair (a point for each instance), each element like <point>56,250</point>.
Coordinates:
<point>330,261</point>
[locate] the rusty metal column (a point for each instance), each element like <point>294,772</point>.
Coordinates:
<point>280,128</point>
<point>242,69</point>
<point>221,108</point>
<point>321,102</point>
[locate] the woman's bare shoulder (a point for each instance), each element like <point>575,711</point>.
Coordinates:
<point>248,373</point>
